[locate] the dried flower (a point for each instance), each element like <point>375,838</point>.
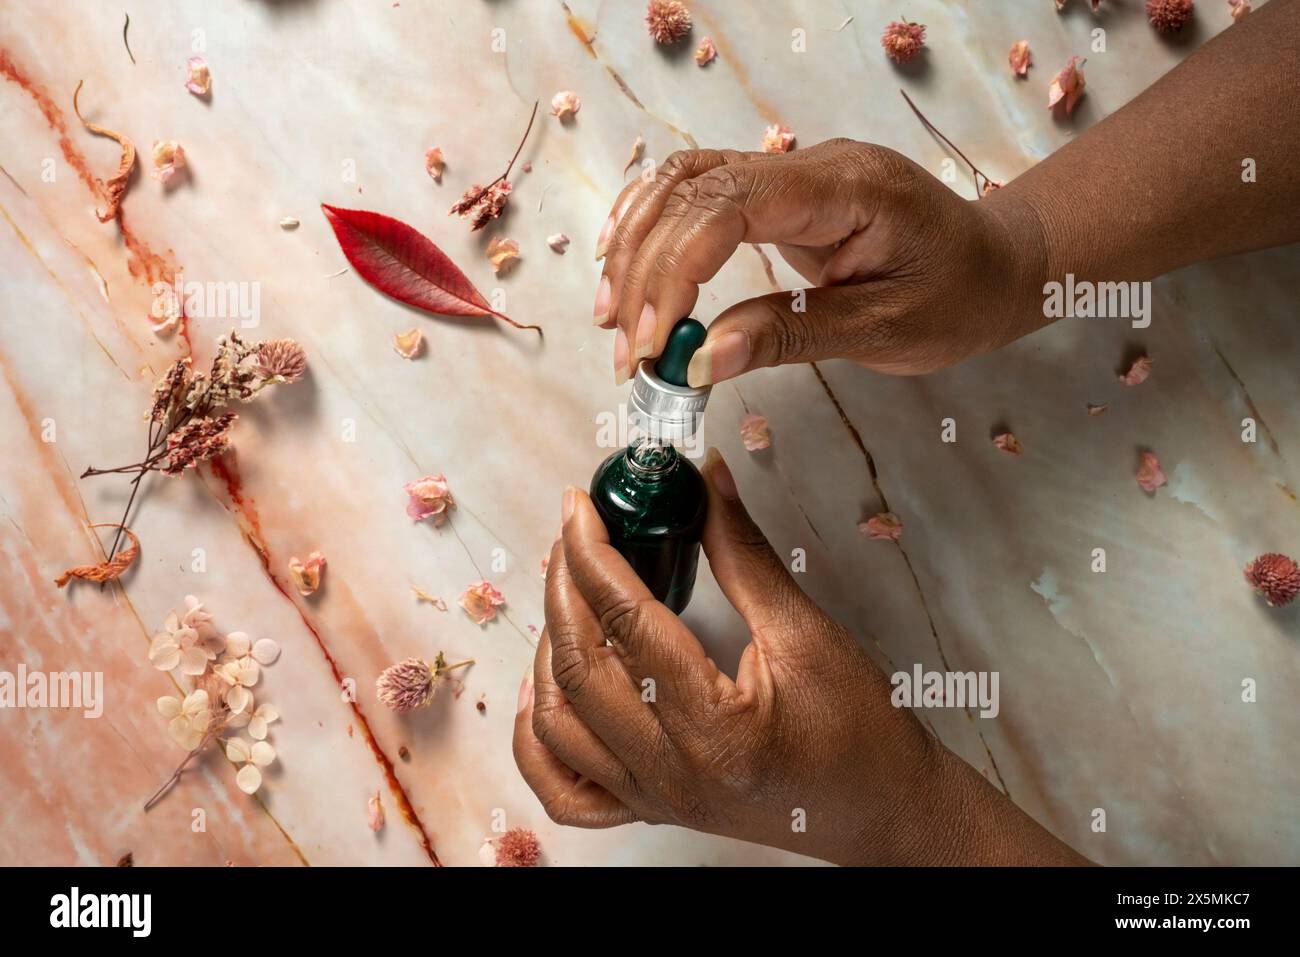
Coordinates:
<point>253,757</point>
<point>1149,474</point>
<point>565,105</point>
<point>989,186</point>
<point>190,719</point>
<point>191,646</point>
<point>1097,409</point>
<point>289,223</point>
<point>411,684</point>
<point>1169,16</point>
<point>638,150</point>
<point>882,525</point>
<point>168,159</point>
<point>104,571</point>
<point>480,205</point>
<point>754,433</point>
<point>481,602</point>
<point>1239,8</point>
<point>257,721</point>
<point>518,847</point>
<point>1019,58</point>
<point>434,600</point>
<point>668,20</point>
<point>306,575</point>
<point>375,813</point>
<point>434,164</point>
<point>241,669</point>
<point>778,139</point>
<point>706,52</point>
<point>199,80</point>
<point>903,40</point>
<point>280,360</point>
<point>1008,443</point>
<point>115,186</point>
<point>558,242</point>
<point>502,254</point>
<point>409,343</point>
<point>487,853</point>
<point>1067,86</point>
<point>429,496</point>
<point>197,441</point>
<point>1137,372</point>
<point>1275,576</point>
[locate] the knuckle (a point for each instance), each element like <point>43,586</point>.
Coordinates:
<point>570,668</point>
<point>793,333</point>
<point>624,617</point>
<point>560,810</point>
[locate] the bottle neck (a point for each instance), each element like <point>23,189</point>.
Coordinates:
<point>651,459</point>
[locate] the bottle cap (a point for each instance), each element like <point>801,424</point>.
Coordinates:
<point>662,404</point>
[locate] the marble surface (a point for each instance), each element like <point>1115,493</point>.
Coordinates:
<point>1118,690</point>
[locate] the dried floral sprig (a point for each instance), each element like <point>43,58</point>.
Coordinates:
<point>108,570</point>
<point>983,183</point>
<point>482,204</point>
<point>411,684</point>
<point>115,186</point>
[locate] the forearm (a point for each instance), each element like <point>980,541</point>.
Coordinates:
<point>1159,184</point>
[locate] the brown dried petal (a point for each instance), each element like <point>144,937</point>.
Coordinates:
<point>104,571</point>
<point>115,186</point>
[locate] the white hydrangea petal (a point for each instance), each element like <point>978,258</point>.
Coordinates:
<point>196,701</point>
<point>168,706</point>
<point>182,733</point>
<point>237,644</point>
<point>262,754</point>
<point>257,727</point>
<point>193,661</point>
<point>266,650</point>
<point>237,749</point>
<point>201,721</point>
<point>249,672</point>
<point>240,720</point>
<point>238,698</point>
<point>249,779</point>
<point>164,653</point>
<point>268,712</point>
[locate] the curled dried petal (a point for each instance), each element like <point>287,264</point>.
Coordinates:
<point>434,164</point>
<point>1137,372</point>
<point>375,813</point>
<point>199,79</point>
<point>1020,58</point>
<point>884,525</point>
<point>104,571</point>
<point>429,496</point>
<point>638,150</point>
<point>306,575</point>
<point>1008,443</point>
<point>558,242</point>
<point>706,52</point>
<point>1149,474</point>
<point>565,105</point>
<point>1094,409</point>
<point>409,343</point>
<point>778,139</point>
<point>115,186</point>
<point>502,254</point>
<point>754,433</point>
<point>481,602</point>
<point>1067,86</point>
<point>168,159</point>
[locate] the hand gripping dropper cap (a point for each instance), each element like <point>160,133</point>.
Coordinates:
<point>663,405</point>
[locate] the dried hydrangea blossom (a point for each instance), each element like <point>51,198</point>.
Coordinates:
<point>168,159</point>
<point>706,52</point>
<point>189,719</point>
<point>481,602</point>
<point>1138,372</point>
<point>240,667</point>
<point>1169,16</point>
<point>199,79</point>
<point>114,188</point>
<point>1095,409</point>
<point>409,343</point>
<point>434,164</point>
<point>252,757</point>
<point>778,139</point>
<point>429,496</point>
<point>1239,8</point>
<point>184,645</point>
<point>375,813</point>
<point>306,575</point>
<point>1020,58</point>
<point>411,684</point>
<point>257,721</point>
<point>903,40</point>
<point>667,20</point>
<point>884,525</point>
<point>1149,474</point>
<point>565,105</point>
<point>518,847</point>
<point>754,433</point>
<point>502,254</point>
<point>1008,443</point>
<point>558,242</point>
<point>1067,86</point>
<point>1275,576</point>
<point>480,205</point>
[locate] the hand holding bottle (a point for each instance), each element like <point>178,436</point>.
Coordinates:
<point>647,728</point>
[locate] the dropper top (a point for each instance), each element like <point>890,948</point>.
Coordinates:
<point>686,337</point>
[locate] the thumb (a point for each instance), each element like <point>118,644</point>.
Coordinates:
<point>800,325</point>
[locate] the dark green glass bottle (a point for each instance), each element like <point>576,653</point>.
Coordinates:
<point>650,496</point>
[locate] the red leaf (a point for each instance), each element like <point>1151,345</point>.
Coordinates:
<point>402,263</point>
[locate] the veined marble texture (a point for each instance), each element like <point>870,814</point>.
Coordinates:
<point>1120,691</point>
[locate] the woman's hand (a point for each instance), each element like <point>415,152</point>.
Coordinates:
<point>625,718</point>
<point>910,277</point>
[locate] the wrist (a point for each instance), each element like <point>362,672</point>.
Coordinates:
<point>1023,242</point>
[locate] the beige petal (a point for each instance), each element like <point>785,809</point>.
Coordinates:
<point>164,653</point>
<point>240,720</point>
<point>256,728</point>
<point>182,733</point>
<point>249,779</point>
<point>237,749</point>
<point>408,343</point>
<point>237,644</point>
<point>201,721</point>
<point>238,698</point>
<point>262,754</point>
<point>193,661</point>
<point>249,672</point>
<point>196,701</point>
<point>168,706</point>
<point>266,651</point>
<point>268,713</point>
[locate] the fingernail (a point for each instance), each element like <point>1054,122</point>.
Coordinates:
<point>601,311</point>
<point>645,332</point>
<point>620,357</point>
<point>721,359</point>
<point>566,504</point>
<point>525,692</point>
<point>720,475</point>
<point>606,234</point>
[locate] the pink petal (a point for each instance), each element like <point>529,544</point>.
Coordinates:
<point>1149,474</point>
<point>882,525</point>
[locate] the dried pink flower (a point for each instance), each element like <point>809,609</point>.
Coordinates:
<point>306,575</point>
<point>168,159</point>
<point>197,441</point>
<point>429,496</point>
<point>518,847</point>
<point>754,433</point>
<point>502,254</point>
<point>565,105</point>
<point>280,360</point>
<point>1020,58</point>
<point>1169,16</point>
<point>1149,474</point>
<point>1138,372</point>
<point>480,205</point>
<point>1067,86</point>
<point>706,52</point>
<point>199,80</point>
<point>408,343</point>
<point>375,813</point>
<point>882,525</point>
<point>434,164</point>
<point>903,40</point>
<point>1239,8</point>
<point>1008,443</point>
<point>667,20</point>
<point>558,242</point>
<point>1275,576</point>
<point>481,602</point>
<point>778,139</point>
<point>989,186</point>
<point>406,685</point>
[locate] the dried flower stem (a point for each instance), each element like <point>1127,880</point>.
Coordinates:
<point>208,737</point>
<point>509,166</point>
<point>460,664</point>
<point>979,174</point>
